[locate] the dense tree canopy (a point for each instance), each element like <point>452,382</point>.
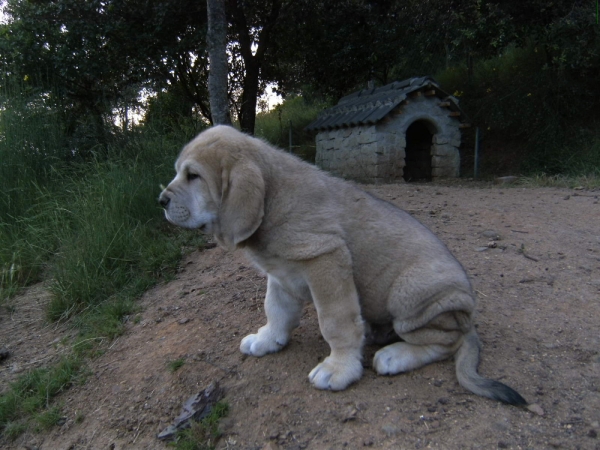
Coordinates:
<point>97,55</point>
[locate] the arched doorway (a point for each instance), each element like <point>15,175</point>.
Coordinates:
<point>418,152</point>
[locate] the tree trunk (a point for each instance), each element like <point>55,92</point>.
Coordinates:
<point>252,60</point>
<point>249,96</point>
<point>216,39</point>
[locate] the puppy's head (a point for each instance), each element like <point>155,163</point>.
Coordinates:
<point>218,188</point>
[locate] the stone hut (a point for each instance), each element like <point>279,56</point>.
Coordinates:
<point>407,130</point>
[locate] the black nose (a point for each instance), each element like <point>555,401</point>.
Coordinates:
<point>163,200</point>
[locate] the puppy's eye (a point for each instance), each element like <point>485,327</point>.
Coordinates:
<point>192,176</point>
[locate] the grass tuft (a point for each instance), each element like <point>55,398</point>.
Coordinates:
<point>591,181</point>
<point>32,393</point>
<point>204,434</point>
<point>175,365</point>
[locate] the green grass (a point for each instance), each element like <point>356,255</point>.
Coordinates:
<point>565,181</point>
<point>49,417</point>
<point>89,226</point>
<point>175,365</point>
<point>202,435</point>
<point>31,396</point>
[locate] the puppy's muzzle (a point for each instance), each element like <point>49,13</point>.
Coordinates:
<point>164,200</point>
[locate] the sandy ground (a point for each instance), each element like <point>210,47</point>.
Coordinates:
<point>538,317</point>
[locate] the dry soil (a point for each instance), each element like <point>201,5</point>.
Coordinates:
<point>533,255</point>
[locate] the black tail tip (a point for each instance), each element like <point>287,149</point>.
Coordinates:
<point>506,394</point>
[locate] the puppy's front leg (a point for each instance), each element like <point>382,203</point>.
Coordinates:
<point>332,286</point>
<point>283,315</point>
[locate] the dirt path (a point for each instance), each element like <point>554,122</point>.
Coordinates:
<point>538,318</point>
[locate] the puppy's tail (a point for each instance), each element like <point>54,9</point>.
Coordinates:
<point>467,361</point>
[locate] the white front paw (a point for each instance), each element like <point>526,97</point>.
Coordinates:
<point>336,374</point>
<point>261,343</point>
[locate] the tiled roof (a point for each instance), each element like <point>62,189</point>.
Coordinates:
<point>369,106</point>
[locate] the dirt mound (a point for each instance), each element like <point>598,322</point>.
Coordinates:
<point>534,258</point>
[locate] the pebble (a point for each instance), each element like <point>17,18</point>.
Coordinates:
<point>391,430</point>
<point>491,234</point>
<point>349,414</point>
<point>535,408</point>
<point>4,353</point>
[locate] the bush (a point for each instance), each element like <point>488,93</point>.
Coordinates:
<point>520,102</point>
<point>274,126</point>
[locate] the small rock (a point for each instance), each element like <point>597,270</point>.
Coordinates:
<point>491,234</point>
<point>271,446</point>
<point>443,401</point>
<point>480,249</point>
<point>567,197</point>
<point>183,321</point>
<point>349,414</point>
<point>391,430</point>
<point>592,433</point>
<point>550,345</point>
<point>502,444</point>
<point>535,408</point>
<point>4,353</point>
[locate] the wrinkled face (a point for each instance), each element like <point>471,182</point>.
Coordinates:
<point>187,200</point>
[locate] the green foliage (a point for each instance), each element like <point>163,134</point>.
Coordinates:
<point>31,147</point>
<point>94,228</point>
<point>274,126</point>
<point>202,435</point>
<point>171,112</point>
<point>95,225</point>
<point>525,102</point>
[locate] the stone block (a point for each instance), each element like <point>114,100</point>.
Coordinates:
<point>442,150</point>
<point>367,136</point>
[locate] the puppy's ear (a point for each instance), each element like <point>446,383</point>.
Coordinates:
<point>242,203</point>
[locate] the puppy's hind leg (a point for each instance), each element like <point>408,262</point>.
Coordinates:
<point>283,315</point>
<point>436,341</point>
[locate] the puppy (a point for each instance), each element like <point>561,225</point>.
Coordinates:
<point>366,265</point>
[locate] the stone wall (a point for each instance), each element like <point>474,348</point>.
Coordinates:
<point>376,153</point>
<point>361,153</point>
